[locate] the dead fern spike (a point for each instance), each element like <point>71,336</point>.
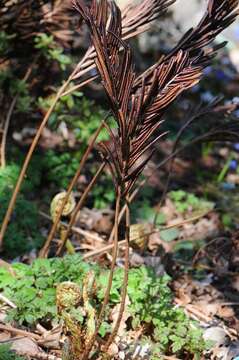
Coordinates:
<point>138,114</point>
<point>54,16</point>
<point>139,103</point>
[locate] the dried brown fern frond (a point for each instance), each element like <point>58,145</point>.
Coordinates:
<point>136,19</point>
<point>83,66</point>
<point>138,105</point>
<point>138,114</point>
<point>218,16</point>
<point>151,101</point>
<point>26,18</point>
<point>116,71</point>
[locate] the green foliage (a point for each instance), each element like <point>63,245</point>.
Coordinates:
<point>7,354</point>
<point>227,221</point>
<point>185,201</point>
<point>83,123</point>
<point>169,235</point>
<point>142,208</point>
<point>15,86</point>
<point>44,42</point>
<point>24,101</point>
<point>51,50</point>
<point>22,234</point>
<point>88,120</point>
<point>5,42</point>
<point>8,177</point>
<point>33,290</point>
<point>103,193</point>
<point>151,305</point>
<point>60,167</point>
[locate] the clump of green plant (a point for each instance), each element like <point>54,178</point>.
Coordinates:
<point>83,123</point>
<point>60,167</point>
<point>185,201</point>
<point>8,176</point>
<point>22,233</point>
<point>143,209</point>
<point>15,86</point>
<point>103,194</point>
<point>5,42</point>
<point>7,354</point>
<point>33,290</point>
<point>49,48</point>
<point>151,306</point>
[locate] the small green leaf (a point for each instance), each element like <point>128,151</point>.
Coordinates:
<point>169,235</point>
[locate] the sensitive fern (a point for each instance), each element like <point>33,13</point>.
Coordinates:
<point>138,104</point>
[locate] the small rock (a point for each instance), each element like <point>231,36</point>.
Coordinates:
<point>215,334</point>
<point>234,350</point>
<point>121,355</point>
<point>25,346</point>
<point>113,349</point>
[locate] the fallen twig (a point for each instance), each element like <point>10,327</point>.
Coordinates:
<point>39,355</point>
<point>14,330</point>
<point>77,230</point>
<point>202,318</point>
<point>7,266</point>
<point>123,242</point>
<point>7,301</point>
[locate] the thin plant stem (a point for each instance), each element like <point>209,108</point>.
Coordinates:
<point>77,230</point>
<point>176,142</point>
<point>110,279</point>
<point>78,207</point>
<point>44,251</point>
<point>5,131</point>
<point>78,86</point>
<point>125,280</point>
<point>16,331</point>
<point>28,158</point>
<point>8,118</point>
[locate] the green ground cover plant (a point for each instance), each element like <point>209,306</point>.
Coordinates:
<point>7,354</point>
<point>185,201</point>
<point>33,290</point>
<point>23,234</point>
